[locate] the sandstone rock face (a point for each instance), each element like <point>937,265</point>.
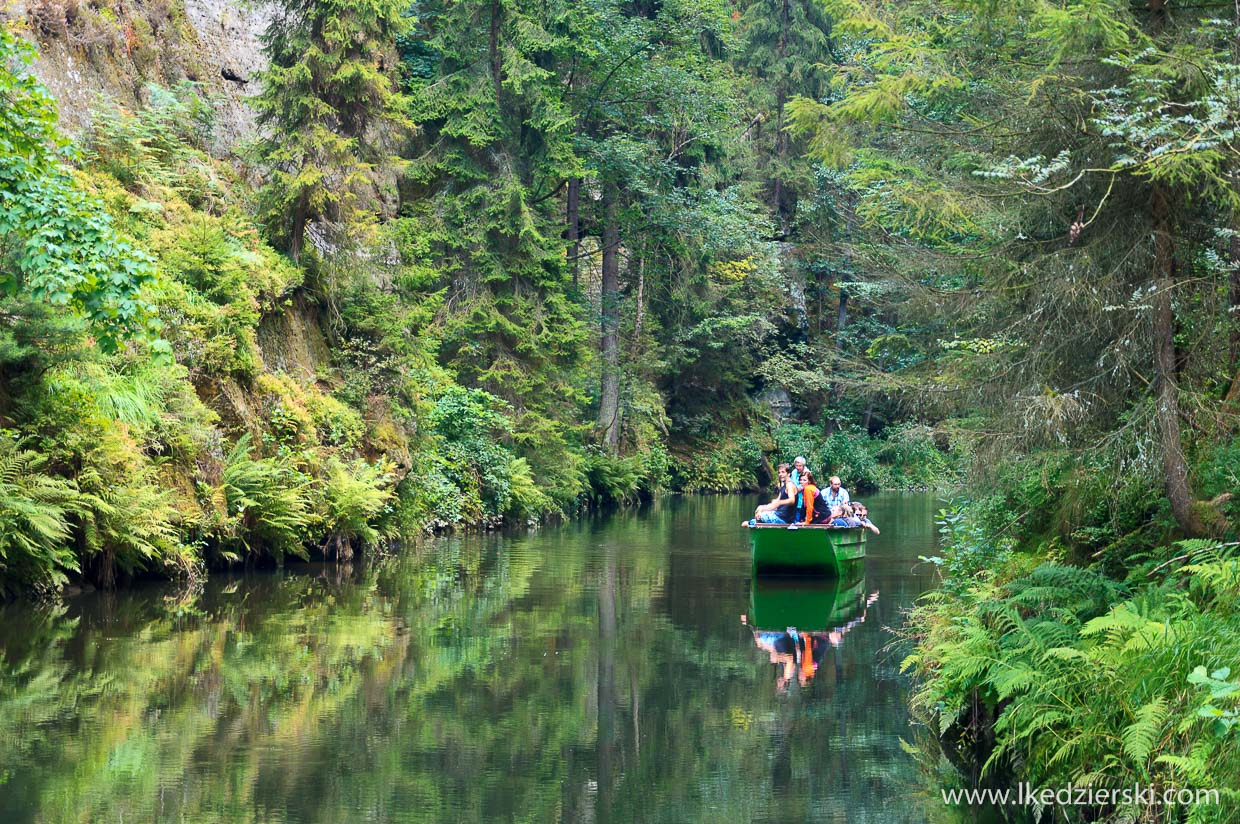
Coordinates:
<point>115,51</point>
<point>229,33</point>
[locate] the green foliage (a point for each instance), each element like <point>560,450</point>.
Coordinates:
<point>34,521</point>
<point>727,467</point>
<point>907,458</point>
<point>1088,682</point>
<point>161,144</point>
<point>526,499</point>
<point>470,424</point>
<point>614,479</point>
<point>269,504</point>
<point>127,521</point>
<point>325,93</point>
<point>58,245</point>
<point>354,497</point>
<point>972,556</point>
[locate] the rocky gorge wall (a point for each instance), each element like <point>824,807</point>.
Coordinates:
<point>92,49</point>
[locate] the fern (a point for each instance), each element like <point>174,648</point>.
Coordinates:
<point>269,501</point>
<point>34,527</point>
<point>1141,735</point>
<point>355,497</point>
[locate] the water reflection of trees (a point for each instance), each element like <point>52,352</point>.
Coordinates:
<point>536,680</point>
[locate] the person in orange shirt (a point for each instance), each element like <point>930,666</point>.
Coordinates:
<point>816,511</point>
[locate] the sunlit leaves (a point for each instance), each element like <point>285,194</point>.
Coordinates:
<point>58,244</point>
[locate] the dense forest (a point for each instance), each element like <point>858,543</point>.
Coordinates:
<point>487,262</point>
<point>479,263</point>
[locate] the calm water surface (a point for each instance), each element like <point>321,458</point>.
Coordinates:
<point>626,669</point>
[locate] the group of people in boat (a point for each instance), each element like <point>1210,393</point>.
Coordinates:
<point>799,500</point>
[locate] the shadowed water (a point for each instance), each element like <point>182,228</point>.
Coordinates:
<point>604,671</point>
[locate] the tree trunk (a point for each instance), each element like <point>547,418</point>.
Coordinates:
<point>572,231</point>
<point>1175,467</point>
<point>841,320</point>
<point>297,232</point>
<point>781,99</point>
<point>837,390</point>
<point>606,695</point>
<point>609,404</point>
<point>1233,302</point>
<point>641,306</point>
<point>1232,394</point>
<point>496,62</point>
<point>1233,297</point>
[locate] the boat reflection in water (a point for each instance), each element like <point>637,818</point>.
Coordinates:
<point>797,621</point>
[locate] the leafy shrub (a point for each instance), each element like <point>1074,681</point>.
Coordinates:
<point>1087,682</point>
<point>1218,474</point>
<point>614,479</point>
<point>469,423</point>
<point>526,501</point>
<point>971,553</point>
<point>656,468</point>
<point>914,460</point>
<point>731,467</point>
<point>59,245</point>
<point>853,455</point>
<point>128,523</point>
<point>163,143</point>
<point>428,499</point>
<point>906,458</point>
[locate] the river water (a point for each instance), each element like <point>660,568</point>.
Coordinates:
<point>626,668</point>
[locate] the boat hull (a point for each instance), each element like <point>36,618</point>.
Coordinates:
<point>811,548</point>
<point>811,605</point>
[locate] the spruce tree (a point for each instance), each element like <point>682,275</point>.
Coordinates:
<point>329,108</point>
<point>785,46</point>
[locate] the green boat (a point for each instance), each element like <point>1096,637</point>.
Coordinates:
<point>810,548</point>
<point>809,605</point>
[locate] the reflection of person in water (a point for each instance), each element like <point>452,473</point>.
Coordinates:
<point>798,654</point>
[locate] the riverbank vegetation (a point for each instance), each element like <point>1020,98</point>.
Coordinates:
<point>480,264</point>
<point>1055,185</point>
<point>496,262</point>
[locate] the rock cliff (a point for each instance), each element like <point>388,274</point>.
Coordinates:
<point>92,49</point>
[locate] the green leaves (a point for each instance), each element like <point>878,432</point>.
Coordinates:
<point>1141,737</point>
<point>270,501</point>
<point>1222,691</point>
<point>1084,26</point>
<point>60,247</point>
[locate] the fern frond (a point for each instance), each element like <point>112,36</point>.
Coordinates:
<point>1139,737</point>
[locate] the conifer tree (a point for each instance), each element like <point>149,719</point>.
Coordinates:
<point>329,108</point>
<point>1063,202</point>
<point>785,45</point>
<point>494,152</point>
